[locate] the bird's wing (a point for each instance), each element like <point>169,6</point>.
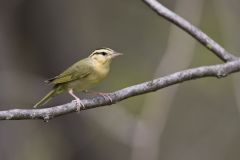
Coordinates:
<point>78,70</point>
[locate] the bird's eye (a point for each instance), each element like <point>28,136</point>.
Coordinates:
<point>104,53</point>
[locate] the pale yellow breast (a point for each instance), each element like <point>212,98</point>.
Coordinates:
<point>95,77</point>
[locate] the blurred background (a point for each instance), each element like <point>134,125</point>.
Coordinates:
<point>194,120</point>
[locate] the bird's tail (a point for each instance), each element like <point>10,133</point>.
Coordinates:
<point>46,99</point>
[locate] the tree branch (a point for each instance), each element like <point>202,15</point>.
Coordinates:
<point>220,70</point>
<point>192,30</point>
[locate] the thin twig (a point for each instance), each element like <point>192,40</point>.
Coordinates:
<point>220,70</point>
<point>153,119</point>
<point>192,30</point>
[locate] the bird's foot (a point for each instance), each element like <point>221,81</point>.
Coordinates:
<point>106,96</point>
<point>79,104</point>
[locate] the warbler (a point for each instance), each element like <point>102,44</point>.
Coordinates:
<point>81,76</point>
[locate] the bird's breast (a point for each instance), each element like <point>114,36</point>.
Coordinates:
<point>99,73</point>
<point>95,77</point>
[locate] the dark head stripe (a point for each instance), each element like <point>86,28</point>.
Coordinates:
<point>101,50</point>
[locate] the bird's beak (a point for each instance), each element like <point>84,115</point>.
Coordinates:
<point>116,54</point>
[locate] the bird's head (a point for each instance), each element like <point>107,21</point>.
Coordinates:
<point>104,56</point>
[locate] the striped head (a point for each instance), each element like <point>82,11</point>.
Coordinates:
<point>104,56</point>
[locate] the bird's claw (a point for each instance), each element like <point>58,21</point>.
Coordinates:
<point>79,104</point>
<point>106,96</point>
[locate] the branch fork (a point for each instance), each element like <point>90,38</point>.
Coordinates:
<point>231,65</point>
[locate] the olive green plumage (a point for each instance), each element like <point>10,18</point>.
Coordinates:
<point>82,75</point>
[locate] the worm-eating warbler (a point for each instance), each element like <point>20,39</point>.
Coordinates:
<point>81,76</point>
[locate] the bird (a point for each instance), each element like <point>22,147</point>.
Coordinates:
<point>81,76</point>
